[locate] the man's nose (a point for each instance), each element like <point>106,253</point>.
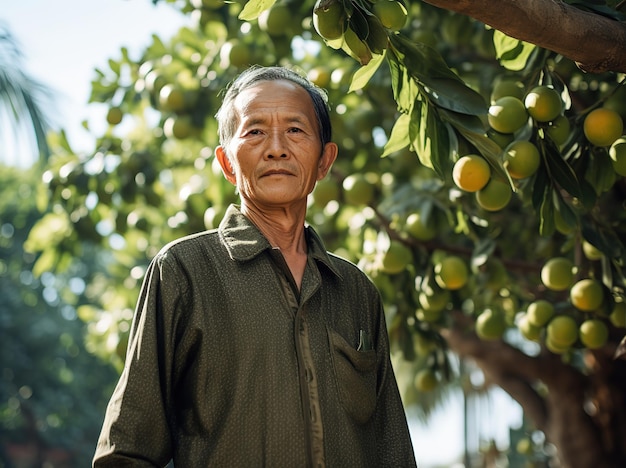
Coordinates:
<point>277,146</point>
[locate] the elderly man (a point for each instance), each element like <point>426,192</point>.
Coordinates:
<point>251,345</point>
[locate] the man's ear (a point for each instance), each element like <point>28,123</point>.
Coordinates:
<point>329,154</point>
<point>227,168</point>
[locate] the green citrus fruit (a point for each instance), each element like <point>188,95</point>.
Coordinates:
<point>521,159</point>
<point>451,273</point>
<point>562,331</point>
<point>330,23</point>
<point>358,190</point>
<point>325,191</point>
<point>591,251</point>
<point>618,315</point>
<point>587,295</point>
<point>528,330</point>
<point>434,302</point>
<point>396,258</point>
<point>557,274</point>
<point>603,126</point>
<point>507,115</point>
<point>593,333</point>
<point>507,87</point>
<point>617,152</point>
<point>275,20</point>
<point>494,196</point>
<point>543,104</point>
<point>391,13</point>
<point>559,130</point>
<point>471,173</point>
<point>426,380</point>
<point>171,98</point>
<point>420,229</point>
<point>539,312</point>
<point>490,325</point>
<point>114,115</point>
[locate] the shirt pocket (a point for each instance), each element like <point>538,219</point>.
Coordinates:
<point>355,375</point>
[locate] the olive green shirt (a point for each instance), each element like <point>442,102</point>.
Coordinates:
<point>229,365</point>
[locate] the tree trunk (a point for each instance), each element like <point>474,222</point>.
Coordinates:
<point>582,415</point>
<point>596,43</point>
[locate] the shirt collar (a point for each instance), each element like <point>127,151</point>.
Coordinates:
<point>244,241</point>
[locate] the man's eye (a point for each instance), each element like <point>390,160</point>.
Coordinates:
<point>295,130</point>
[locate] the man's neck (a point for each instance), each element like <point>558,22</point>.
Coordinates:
<point>283,227</point>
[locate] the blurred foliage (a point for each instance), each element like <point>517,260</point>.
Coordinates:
<point>405,107</point>
<point>53,391</point>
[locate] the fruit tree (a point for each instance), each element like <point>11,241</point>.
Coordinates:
<point>513,258</point>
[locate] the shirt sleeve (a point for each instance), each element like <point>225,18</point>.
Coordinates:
<point>136,428</point>
<point>392,433</point>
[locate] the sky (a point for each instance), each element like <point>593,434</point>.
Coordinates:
<point>63,41</point>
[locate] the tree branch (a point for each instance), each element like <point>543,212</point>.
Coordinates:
<point>596,43</point>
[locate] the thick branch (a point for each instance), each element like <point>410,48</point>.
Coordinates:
<point>596,43</point>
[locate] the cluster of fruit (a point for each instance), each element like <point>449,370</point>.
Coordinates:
<point>508,118</point>
<point>586,324</point>
<point>358,28</point>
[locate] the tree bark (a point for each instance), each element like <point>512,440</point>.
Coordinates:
<point>595,42</point>
<point>581,414</point>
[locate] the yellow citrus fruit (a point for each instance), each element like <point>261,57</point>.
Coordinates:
<point>426,380</point>
<point>617,152</point>
<point>451,273</point>
<point>543,104</point>
<point>490,325</point>
<point>507,87</point>
<point>603,126</point>
<point>507,115</point>
<point>396,258</point>
<point>471,173</point>
<point>418,228</point>
<point>593,333</point>
<point>557,273</point>
<point>114,115</point>
<point>521,159</point>
<point>618,315</point>
<point>494,196</point>
<point>528,330</point>
<point>539,312</point>
<point>587,295</point>
<point>330,22</point>
<point>391,13</point>
<point>562,331</point>
<point>559,130</point>
<point>358,190</point>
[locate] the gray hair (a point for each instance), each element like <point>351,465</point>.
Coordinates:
<point>227,118</point>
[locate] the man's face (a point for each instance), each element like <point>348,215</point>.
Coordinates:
<point>275,153</point>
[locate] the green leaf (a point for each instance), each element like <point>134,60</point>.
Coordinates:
<point>512,53</point>
<point>559,170</point>
<point>254,8</point>
<point>362,75</point>
<point>443,86</point>
<point>399,137</point>
<point>429,136</point>
<point>405,90</point>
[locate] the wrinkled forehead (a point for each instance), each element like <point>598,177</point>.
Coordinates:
<point>273,96</point>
